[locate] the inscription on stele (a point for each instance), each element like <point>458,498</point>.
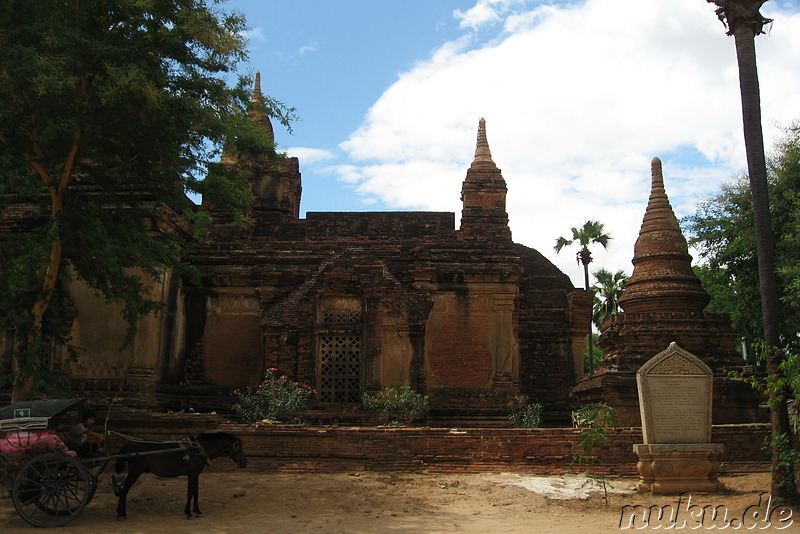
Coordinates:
<point>675,390</point>
<point>679,408</point>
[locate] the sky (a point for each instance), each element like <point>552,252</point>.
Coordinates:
<point>578,97</point>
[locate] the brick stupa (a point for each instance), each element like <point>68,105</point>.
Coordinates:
<point>664,302</point>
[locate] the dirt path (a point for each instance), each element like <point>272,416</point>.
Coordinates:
<point>247,501</point>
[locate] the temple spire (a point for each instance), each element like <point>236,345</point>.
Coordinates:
<point>662,279</point>
<point>257,96</point>
<point>483,156</point>
<point>483,195</point>
<point>256,109</point>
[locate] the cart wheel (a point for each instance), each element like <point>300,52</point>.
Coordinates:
<point>51,490</point>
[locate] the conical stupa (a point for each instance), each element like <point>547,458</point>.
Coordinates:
<point>664,302</point>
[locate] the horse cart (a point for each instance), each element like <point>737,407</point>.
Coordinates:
<point>50,485</point>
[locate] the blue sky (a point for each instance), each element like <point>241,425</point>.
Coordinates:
<point>332,60</point>
<point>578,97</point>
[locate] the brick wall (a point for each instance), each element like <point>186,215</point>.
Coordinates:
<point>459,356</point>
<point>542,450</point>
<point>417,449</point>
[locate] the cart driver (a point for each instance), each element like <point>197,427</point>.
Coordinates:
<point>78,437</point>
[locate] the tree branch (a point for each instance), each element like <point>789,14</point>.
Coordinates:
<point>66,176</point>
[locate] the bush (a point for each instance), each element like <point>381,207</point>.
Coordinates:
<point>523,413</point>
<point>275,399</point>
<point>397,406</point>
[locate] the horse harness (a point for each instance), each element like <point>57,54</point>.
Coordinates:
<point>191,445</point>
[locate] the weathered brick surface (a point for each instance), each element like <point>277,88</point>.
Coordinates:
<point>417,449</point>
<point>238,337</point>
<point>541,450</point>
<point>459,356</point>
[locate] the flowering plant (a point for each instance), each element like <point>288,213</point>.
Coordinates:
<point>397,406</point>
<point>275,399</point>
<point>523,413</point>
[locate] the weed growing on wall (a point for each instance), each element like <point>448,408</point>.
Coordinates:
<point>523,413</point>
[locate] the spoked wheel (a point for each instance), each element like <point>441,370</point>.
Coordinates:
<point>51,489</point>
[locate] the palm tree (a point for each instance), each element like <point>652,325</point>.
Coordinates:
<point>607,290</point>
<point>590,233</point>
<point>744,21</point>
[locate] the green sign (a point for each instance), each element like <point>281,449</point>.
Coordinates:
<point>22,412</point>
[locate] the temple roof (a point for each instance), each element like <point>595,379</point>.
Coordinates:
<point>662,279</point>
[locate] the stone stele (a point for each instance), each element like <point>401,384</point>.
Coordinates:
<point>675,391</point>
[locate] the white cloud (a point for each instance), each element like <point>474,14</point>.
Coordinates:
<point>254,34</point>
<point>578,98</point>
<point>488,11</point>
<point>310,155</point>
<point>307,49</point>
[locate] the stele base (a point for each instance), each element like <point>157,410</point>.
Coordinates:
<point>678,467</point>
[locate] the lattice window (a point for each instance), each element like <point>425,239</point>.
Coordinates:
<point>349,317</point>
<point>340,368</point>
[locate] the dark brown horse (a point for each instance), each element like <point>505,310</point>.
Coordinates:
<point>186,459</point>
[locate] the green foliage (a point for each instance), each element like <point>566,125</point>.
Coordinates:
<point>788,444</point>
<point>789,460</point>
<point>590,233</point>
<point>397,405</point>
<point>111,111</point>
<point>276,399</point>
<point>523,413</point>
<point>596,353</point>
<point>596,421</point>
<point>606,292</point>
<point>723,231</point>
<point>777,389</point>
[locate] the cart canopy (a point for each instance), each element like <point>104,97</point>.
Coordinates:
<point>39,408</point>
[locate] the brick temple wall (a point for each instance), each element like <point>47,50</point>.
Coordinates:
<point>418,449</point>
<point>539,450</point>
<point>410,449</point>
<point>470,322</point>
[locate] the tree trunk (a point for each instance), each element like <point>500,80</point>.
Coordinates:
<point>586,258</point>
<point>744,36</point>
<point>23,382</point>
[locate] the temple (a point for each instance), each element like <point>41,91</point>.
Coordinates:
<point>354,302</point>
<point>348,303</point>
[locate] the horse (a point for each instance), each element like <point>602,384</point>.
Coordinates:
<point>180,458</point>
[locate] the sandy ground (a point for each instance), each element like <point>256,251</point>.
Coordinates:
<point>365,502</point>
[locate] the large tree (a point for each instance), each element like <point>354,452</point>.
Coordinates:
<point>723,232</point>
<point>592,232</point>
<point>744,21</point>
<point>110,111</point>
